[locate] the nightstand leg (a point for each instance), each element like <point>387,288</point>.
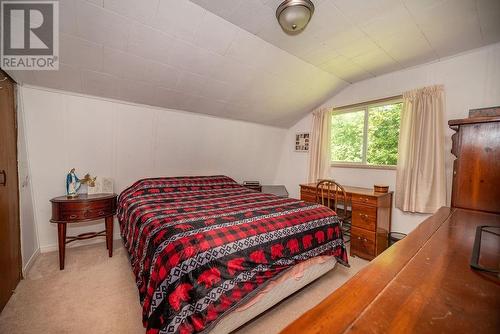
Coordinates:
<point>106,226</point>
<point>61,232</point>
<point>109,235</point>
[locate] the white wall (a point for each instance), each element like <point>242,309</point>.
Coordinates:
<point>29,236</point>
<point>127,142</point>
<point>471,80</point>
<point>293,166</point>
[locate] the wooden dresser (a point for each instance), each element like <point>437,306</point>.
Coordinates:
<point>371,218</point>
<point>476,171</point>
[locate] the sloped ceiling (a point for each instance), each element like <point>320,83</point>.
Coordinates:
<point>229,58</point>
<point>359,39</point>
<point>175,54</point>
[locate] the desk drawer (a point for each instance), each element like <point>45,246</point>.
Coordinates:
<point>362,243</point>
<point>364,216</point>
<point>364,199</point>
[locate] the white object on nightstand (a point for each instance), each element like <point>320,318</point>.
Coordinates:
<point>103,185</point>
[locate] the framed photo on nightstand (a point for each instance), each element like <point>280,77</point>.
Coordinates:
<point>302,142</point>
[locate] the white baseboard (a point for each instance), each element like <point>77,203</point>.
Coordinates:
<point>27,266</point>
<point>79,243</point>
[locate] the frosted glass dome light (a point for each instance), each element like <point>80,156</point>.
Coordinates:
<point>294,15</point>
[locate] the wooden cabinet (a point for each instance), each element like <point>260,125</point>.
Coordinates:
<point>371,218</point>
<point>10,247</point>
<point>476,171</point>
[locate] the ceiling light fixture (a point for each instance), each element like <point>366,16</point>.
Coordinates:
<point>294,15</point>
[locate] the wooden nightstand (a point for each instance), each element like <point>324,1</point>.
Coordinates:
<point>81,209</point>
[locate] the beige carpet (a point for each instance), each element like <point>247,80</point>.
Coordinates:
<point>97,294</point>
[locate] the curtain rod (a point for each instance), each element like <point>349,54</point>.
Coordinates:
<point>368,102</point>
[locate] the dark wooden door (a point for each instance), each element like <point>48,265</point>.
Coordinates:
<point>10,250</point>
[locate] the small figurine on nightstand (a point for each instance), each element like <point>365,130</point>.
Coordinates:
<point>72,184</point>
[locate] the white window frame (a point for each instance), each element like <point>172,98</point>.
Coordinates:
<point>363,107</point>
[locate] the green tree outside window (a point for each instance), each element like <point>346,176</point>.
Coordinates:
<point>367,135</point>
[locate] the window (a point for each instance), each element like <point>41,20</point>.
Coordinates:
<point>366,135</point>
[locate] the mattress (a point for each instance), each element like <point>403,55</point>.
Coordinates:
<point>288,284</point>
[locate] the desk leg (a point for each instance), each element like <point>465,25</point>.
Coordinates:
<point>109,235</point>
<point>61,233</point>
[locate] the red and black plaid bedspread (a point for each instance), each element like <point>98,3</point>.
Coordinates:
<point>200,246</point>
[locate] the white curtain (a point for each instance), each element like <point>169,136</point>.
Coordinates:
<point>420,179</point>
<point>319,154</point>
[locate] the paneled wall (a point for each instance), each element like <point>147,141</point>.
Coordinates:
<point>29,236</point>
<point>127,142</point>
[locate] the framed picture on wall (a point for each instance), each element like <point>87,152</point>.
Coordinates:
<point>302,142</point>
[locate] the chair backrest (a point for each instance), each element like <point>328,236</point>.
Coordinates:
<point>329,192</point>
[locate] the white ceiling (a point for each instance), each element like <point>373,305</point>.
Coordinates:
<point>229,58</point>
<point>359,39</point>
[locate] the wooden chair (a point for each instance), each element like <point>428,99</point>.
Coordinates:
<point>331,194</point>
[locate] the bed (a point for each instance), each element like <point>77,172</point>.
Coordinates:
<point>202,246</point>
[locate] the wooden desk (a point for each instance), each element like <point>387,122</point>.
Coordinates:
<point>422,284</point>
<point>371,218</point>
